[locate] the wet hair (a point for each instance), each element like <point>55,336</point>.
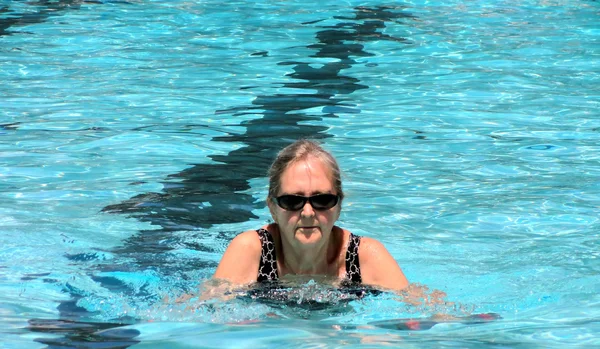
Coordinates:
<point>298,151</point>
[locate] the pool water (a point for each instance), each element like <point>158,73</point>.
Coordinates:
<point>135,138</point>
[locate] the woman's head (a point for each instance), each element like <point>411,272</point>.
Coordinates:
<point>302,150</point>
<point>304,194</point>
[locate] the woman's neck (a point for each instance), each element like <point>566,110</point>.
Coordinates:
<point>318,259</point>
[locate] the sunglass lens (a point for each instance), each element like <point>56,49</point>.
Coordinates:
<point>291,202</point>
<point>324,201</point>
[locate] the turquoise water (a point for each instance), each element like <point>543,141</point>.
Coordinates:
<point>135,135</point>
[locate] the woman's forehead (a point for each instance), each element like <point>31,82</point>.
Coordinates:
<point>307,173</point>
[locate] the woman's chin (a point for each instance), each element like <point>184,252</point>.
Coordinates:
<point>309,235</point>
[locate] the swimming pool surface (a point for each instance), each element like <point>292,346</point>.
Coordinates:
<point>135,138</point>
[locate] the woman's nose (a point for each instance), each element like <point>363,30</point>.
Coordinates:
<point>307,210</point>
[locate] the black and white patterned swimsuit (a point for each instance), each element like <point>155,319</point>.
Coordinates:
<point>267,270</point>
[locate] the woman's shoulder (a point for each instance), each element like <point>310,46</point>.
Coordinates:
<point>378,267</point>
<point>367,245</point>
<point>240,261</point>
<point>371,249</point>
<point>370,245</point>
<point>249,239</point>
<point>253,238</point>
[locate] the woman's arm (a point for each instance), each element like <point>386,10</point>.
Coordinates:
<point>238,267</point>
<point>239,264</point>
<point>378,268</point>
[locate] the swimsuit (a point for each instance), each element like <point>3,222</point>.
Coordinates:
<point>267,270</point>
<point>270,291</point>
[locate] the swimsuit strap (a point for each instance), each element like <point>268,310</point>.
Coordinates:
<point>352,263</point>
<point>267,270</point>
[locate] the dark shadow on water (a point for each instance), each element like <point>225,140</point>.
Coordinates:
<point>83,335</point>
<point>210,194</point>
<point>44,10</point>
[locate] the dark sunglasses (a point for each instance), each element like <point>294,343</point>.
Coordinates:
<point>318,202</point>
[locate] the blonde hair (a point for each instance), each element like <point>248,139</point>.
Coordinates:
<point>301,150</point>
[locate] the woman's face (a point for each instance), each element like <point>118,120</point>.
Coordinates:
<point>306,226</point>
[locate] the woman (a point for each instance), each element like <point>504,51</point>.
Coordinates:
<point>305,199</point>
